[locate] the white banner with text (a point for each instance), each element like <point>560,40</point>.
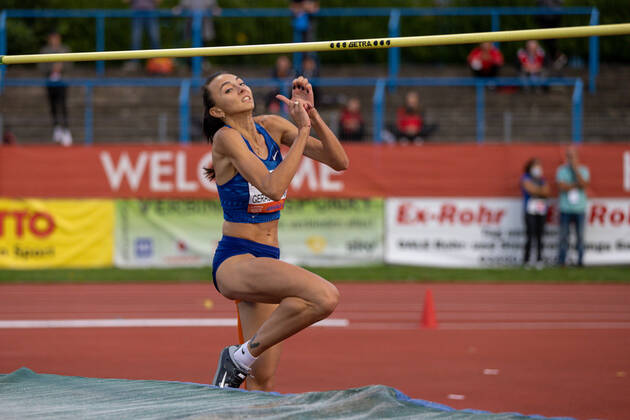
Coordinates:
<point>487,232</point>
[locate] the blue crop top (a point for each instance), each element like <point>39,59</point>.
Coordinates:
<point>244,203</point>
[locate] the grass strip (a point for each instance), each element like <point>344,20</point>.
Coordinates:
<point>360,274</point>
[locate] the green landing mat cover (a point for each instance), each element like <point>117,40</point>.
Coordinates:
<point>25,394</point>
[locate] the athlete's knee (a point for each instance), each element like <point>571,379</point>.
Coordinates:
<point>327,299</point>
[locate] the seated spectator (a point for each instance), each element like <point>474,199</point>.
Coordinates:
<point>531,61</point>
<point>485,60</point>
<point>282,73</point>
<point>310,70</point>
<point>556,58</point>
<point>8,138</point>
<point>160,66</point>
<point>410,124</point>
<point>351,124</point>
<point>272,104</point>
<point>282,70</point>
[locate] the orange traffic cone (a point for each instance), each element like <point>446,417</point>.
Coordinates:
<point>428,312</point>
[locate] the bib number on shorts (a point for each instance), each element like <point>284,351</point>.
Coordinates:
<point>260,203</point>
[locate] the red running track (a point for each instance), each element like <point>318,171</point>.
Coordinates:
<point>550,350</point>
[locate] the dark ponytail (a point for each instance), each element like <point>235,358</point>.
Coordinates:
<point>210,124</point>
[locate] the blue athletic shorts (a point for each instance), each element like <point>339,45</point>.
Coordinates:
<point>230,246</point>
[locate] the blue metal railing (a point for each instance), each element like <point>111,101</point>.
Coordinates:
<point>393,54</point>
<point>378,109</point>
<point>3,43</point>
<point>480,107</point>
<point>378,106</point>
<point>480,85</point>
<point>593,53</point>
<point>88,116</point>
<point>394,15</point>
<point>578,111</point>
<point>184,112</point>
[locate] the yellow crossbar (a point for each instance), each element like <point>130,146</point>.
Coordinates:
<point>354,44</point>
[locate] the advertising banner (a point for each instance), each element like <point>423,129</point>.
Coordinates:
<point>486,232</point>
<point>332,232</point>
<point>56,233</point>
<point>176,172</point>
<point>166,233</point>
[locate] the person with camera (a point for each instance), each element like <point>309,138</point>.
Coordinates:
<point>573,180</point>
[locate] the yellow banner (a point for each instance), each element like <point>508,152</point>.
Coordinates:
<point>56,233</point>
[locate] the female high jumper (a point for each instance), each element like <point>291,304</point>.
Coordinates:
<point>274,299</point>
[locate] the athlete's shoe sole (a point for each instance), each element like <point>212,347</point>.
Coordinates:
<point>228,374</point>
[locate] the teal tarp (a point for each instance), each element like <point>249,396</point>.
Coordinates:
<point>26,394</point>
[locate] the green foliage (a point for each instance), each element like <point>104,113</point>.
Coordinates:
<point>29,35</point>
<point>21,37</point>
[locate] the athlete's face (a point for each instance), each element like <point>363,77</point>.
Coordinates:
<point>231,96</point>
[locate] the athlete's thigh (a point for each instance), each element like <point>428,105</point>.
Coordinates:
<point>267,280</point>
<point>252,316</point>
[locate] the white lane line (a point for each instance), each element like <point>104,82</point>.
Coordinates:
<point>466,326</point>
<point>533,325</point>
<point>391,326</point>
<point>534,316</point>
<point>487,316</point>
<point>503,306</point>
<point>331,323</point>
<point>143,322</point>
<point>532,307</point>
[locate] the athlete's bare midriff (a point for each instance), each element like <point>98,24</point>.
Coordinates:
<point>264,233</point>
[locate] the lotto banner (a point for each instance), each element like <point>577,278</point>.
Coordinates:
<point>485,232</point>
<point>166,233</point>
<point>56,233</point>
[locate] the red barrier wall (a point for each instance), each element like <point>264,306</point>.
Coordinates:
<point>174,171</point>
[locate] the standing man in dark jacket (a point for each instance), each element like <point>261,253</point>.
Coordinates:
<point>57,89</point>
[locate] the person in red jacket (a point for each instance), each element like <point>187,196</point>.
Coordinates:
<point>532,64</point>
<point>410,124</point>
<point>531,59</point>
<point>485,60</point>
<point>351,124</point>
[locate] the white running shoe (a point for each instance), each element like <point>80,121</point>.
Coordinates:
<point>66,138</point>
<point>229,374</point>
<point>57,134</point>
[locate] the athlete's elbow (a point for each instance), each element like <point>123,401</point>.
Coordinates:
<point>275,193</point>
<point>341,164</point>
<point>270,190</point>
<point>276,196</point>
